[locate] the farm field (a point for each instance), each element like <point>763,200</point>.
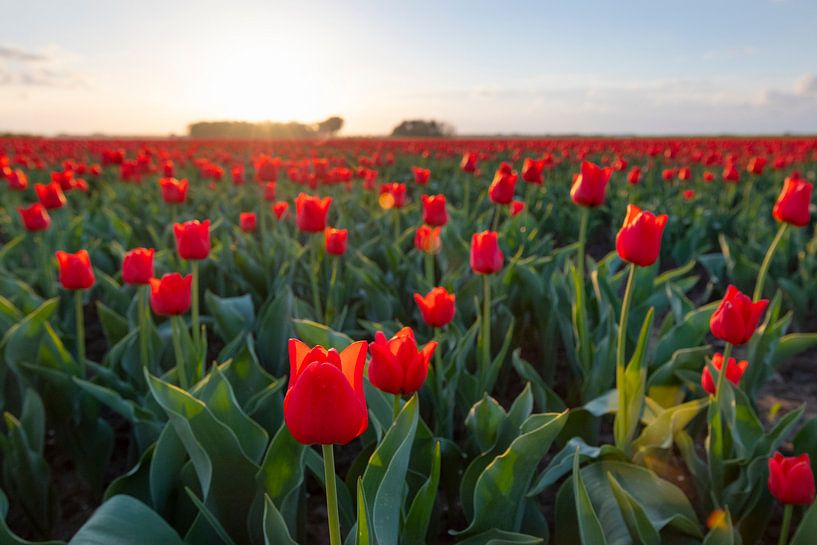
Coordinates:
<point>408,341</point>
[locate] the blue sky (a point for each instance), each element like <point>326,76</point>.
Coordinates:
<point>648,67</point>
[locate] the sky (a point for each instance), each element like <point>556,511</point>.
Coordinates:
<point>525,67</point>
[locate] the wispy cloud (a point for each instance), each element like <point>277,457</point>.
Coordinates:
<point>21,55</point>
<point>30,68</point>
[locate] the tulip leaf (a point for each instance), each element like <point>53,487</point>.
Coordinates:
<point>123,520</point>
<point>807,529</point>
<point>589,527</point>
<point>363,532</point>
<point>501,487</point>
<point>422,506</point>
<point>232,315</point>
<point>313,333</point>
<point>385,476</point>
<point>501,537</point>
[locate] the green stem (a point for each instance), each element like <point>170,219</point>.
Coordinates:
<point>716,433</point>
<point>143,326</point>
<point>331,495</point>
<point>181,366</point>
<point>80,318</point>
<point>581,322</point>
<point>727,353</point>
<point>466,195</point>
<point>46,265</point>
<point>784,530</point>
<point>486,329</point>
<point>331,302</point>
<point>195,305</point>
<point>429,264</point>
<point>767,261</point>
<point>313,277</point>
<point>396,216</point>
<point>495,223</point>
<point>396,407</point>
<point>623,433</point>
<point>583,223</point>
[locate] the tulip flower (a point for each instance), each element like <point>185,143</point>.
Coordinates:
<point>247,221</point>
<point>486,256</point>
<point>688,194</point>
<point>734,372</point>
<point>730,173</point>
<point>684,174</point>
<point>137,269</point>
<point>427,239</point>
<point>469,163</point>
<point>137,266</point>
<point>392,195</point>
<point>590,185</point>
<point>17,180</point>
<point>517,207</point>
<point>171,295</point>
<point>50,195</point>
<point>325,403</point>
<point>310,212</point>
<point>756,165</point>
<point>736,318</point>
<point>192,239</point>
<point>280,209</point>
<point>791,482</point>
<point>502,188</point>
<point>639,239</point>
<point>436,307</point>
<point>532,171</point>
<point>77,274</point>
<point>421,175</point>
<point>193,244</point>
<point>793,203</point>
<point>270,191</point>
<point>35,217</point>
<point>397,366</point>
<point>335,241</point>
<point>434,210</point>
<point>173,191</point>
<point>708,176</point>
<point>634,176</point>
<point>237,174</point>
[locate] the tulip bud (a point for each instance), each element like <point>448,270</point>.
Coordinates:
<point>193,239</point>
<point>590,185</point>
<point>427,239</point>
<point>173,191</point>
<point>437,307</point>
<point>434,211</point>
<point>335,241</point>
<point>793,204</point>
<point>171,295</point>
<point>397,366</point>
<point>310,212</point>
<point>247,221</point>
<point>736,318</point>
<point>35,217</point>
<point>50,195</point>
<point>486,257</point>
<point>325,402</point>
<point>639,239</point>
<point>791,480</point>
<point>137,266</point>
<point>734,372</point>
<point>76,272</point>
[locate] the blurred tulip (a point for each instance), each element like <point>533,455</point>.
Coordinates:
<point>517,207</point>
<point>421,175</point>
<point>793,204</point>
<point>469,163</point>
<point>427,239</point>
<point>173,191</point>
<point>437,306</point>
<point>335,241</point>
<point>310,212</point>
<point>590,185</point>
<point>76,272</point>
<point>280,209</point>
<point>50,195</point>
<point>486,257</point>
<point>171,295</point>
<point>734,372</point>
<point>35,217</point>
<point>502,188</point>
<point>532,171</point>
<point>247,221</point>
<point>434,210</point>
<point>192,239</point>
<point>791,480</point>
<point>137,266</point>
<point>392,195</point>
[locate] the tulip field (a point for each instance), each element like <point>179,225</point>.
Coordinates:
<point>579,341</point>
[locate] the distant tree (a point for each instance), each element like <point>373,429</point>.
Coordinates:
<point>420,128</point>
<point>264,130</point>
<point>331,125</point>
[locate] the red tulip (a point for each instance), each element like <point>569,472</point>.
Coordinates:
<point>434,211</point>
<point>269,191</point>
<point>736,318</point>
<point>437,307</point>
<point>486,257</point>
<point>167,169</point>
<point>791,480</point>
<point>17,180</point>
<point>708,176</point>
<point>193,239</point>
<point>427,239</point>
<point>35,217</point>
<point>684,174</point>
<point>688,194</point>
<point>756,165</point>
<point>590,185</point>
<point>392,195</point>
<point>634,176</point>
<point>247,221</point>
<point>532,171</point>
<point>421,175</point>
<point>639,239</point>
<point>517,207</point>
<point>76,272</point>
<point>237,174</point>
<point>280,208</point>
<point>310,212</point>
<point>137,266</point>
<point>50,195</point>
<point>668,174</point>
<point>502,188</point>
<point>730,173</point>
<point>734,372</point>
<point>325,402</point>
<point>397,366</point>
<point>335,240</point>
<point>171,295</point>
<point>173,191</point>
<point>793,204</point>
<point>469,163</point>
